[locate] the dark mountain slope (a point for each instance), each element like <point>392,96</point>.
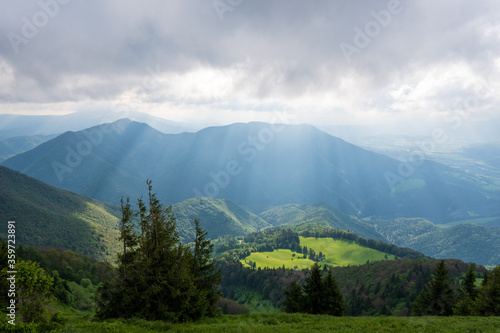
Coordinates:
<point>47,216</point>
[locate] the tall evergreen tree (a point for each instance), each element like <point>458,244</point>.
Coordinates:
<point>313,289</point>
<point>333,299</point>
<point>467,295</point>
<point>437,298</point>
<point>206,278</point>
<point>158,277</point>
<point>294,301</point>
<point>488,299</point>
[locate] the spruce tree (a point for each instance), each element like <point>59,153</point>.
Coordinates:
<point>158,277</point>
<point>206,278</point>
<point>488,299</point>
<point>437,298</point>
<point>333,299</point>
<point>294,301</point>
<point>468,293</point>
<point>313,289</point>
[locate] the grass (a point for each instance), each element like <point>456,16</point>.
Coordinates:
<point>277,259</point>
<point>343,252</point>
<point>337,252</point>
<point>284,322</point>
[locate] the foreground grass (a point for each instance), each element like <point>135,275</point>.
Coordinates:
<point>295,323</point>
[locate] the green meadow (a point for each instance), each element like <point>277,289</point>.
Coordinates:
<point>343,252</point>
<point>337,253</point>
<point>277,259</point>
<point>286,322</point>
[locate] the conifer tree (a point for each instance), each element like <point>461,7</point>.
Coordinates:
<point>158,277</point>
<point>313,289</point>
<point>294,301</point>
<point>333,299</point>
<point>488,299</point>
<point>468,293</point>
<point>437,298</point>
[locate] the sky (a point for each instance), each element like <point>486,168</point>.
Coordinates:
<point>401,66</point>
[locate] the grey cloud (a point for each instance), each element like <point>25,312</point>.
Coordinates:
<point>114,41</point>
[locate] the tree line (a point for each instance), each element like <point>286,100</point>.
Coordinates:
<point>439,297</point>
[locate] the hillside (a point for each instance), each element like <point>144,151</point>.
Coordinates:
<point>255,165</point>
<point>467,242</point>
<point>320,214</point>
<point>219,217</point>
<point>17,145</point>
<point>47,216</point>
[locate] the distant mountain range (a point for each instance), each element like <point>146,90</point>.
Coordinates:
<point>256,165</point>
<point>20,144</point>
<point>24,125</point>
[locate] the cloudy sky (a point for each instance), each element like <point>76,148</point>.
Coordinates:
<point>391,64</point>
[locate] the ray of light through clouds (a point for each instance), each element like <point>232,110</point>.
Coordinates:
<point>400,66</point>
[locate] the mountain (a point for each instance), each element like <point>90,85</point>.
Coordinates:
<point>320,214</point>
<point>47,216</point>
<point>12,125</point>
<point>467,242</point>
<point>256,165</point>
<point>218,217</point>
<point>17,145</point>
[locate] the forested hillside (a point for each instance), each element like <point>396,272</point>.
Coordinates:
<point>47,216</point>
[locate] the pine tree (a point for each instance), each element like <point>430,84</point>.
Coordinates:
<point>294,298</point>
<point>437,298</point>
<point>206,278</point>
<point>158,277</point>
<point>488,299</point>
<point>468,293</point>
<point>333,299</point>
<point>313,289</point>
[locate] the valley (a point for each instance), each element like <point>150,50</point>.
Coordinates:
<point>274,209</point>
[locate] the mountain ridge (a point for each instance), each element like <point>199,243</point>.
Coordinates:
<point>255,165</point>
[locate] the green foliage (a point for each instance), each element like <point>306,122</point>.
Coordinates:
<point>51,217</point>
<point>294,298</point>
<point>318,295</point>
<point>158,277</point>
<point>218,216</point>
<point>467,242</point>
<point>488,299</point>
<point>32,291</point>
<point>437,298</point>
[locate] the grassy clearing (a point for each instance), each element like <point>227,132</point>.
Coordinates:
<point>343,252</point>
<point>284,322</point>
<point>337,252</point>
<point>277,259</point>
